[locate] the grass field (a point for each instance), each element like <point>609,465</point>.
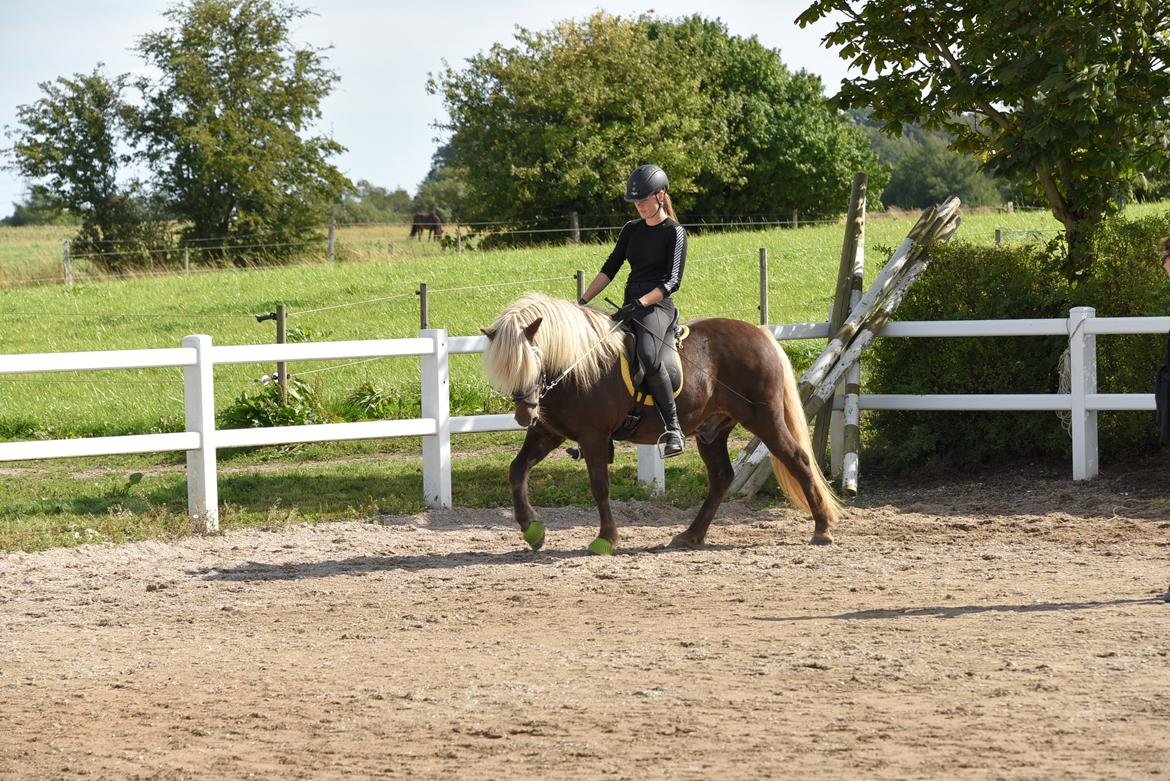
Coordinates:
<point>368,293</point>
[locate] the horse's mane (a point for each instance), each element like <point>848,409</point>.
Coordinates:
<point>567,332</point>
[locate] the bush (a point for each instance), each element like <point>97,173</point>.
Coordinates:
<point>1018,281</point>
<point>263,409</point>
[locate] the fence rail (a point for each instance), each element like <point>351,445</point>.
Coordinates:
<point>201,440</point>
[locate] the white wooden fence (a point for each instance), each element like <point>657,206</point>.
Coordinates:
<point>198,357</point>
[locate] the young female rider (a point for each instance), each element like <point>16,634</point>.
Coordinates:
<point>656,246</point>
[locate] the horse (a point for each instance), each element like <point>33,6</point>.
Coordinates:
<point>426,221</point>
<point>560,363</point>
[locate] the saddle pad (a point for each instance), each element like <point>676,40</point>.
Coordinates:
<point>673,364</point>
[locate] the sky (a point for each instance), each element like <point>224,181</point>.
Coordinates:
<point>383,52</point>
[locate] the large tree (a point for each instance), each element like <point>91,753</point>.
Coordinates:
<point>227,125</point>
<point>1068,93</point>
<point>69,145</point>
<point>555,123</point>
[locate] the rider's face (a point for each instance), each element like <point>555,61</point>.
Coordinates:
<point>648,207</point>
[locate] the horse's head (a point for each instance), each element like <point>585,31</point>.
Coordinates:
<point>515,363</point>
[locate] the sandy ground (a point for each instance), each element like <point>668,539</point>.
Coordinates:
<point>1009,628</point>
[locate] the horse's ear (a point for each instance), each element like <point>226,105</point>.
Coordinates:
<point>530,329</point>
<point>488,332</point>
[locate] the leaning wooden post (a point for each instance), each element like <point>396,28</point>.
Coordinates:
<point>67,262</point>
<point>424,315</point>
<point>282,338</point>
<point>854,228</point>
<point>574,228</point>
<point>329,253</point>
<point>763,285</point>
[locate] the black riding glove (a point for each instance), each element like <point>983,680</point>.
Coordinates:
<point>628,312</point>
<point>582,302</point>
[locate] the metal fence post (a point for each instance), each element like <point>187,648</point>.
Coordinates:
<point>1082,350</point>
<point>436,404</point>
<point>281,338</point>
<point>651,468</point>
<point>199,404</point>
<point>67,261</point>
<point>763,285</point>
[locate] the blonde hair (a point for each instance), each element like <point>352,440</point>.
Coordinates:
<point>566,333</point>
<point>669,207</point>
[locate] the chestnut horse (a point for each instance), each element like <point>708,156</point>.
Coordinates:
<point>426,221</point>
<point>560,364</point>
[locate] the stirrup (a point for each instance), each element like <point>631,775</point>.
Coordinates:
<point>670,449</point>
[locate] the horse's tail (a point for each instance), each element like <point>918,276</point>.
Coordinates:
<point>797,425</point>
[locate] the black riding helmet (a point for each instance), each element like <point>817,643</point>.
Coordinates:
<point>644,182</point>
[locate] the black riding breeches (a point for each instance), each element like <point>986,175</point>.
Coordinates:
<point>652,334</point>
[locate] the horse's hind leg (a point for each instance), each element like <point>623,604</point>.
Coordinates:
<point>538,443</point>
<point>712,443</point>
<point>770,429</point>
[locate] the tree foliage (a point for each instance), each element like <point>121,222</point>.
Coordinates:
<point>1071,95</point>
<point>226,124</point>
<point>555,122</point>
<point>366,202</point>
<point>68,143</point>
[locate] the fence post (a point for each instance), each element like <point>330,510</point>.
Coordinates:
<point>332,236</point>
<point>763,285</point>
<point>199,405</point>
<point>424,315</point>
<point>436,404</point>
<point>1082,350</point>
<point>795,218</point>
<point>67,262</point>
<point>186,260</point>
<point>281,366</point>
<point>651,468</point>
<point>998,236</point>
<point>580,284</point>
<point>574,228</point>
<point>458,238</point>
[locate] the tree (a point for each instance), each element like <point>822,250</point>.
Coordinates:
<point>227,124</point>
<point>367,202</point>
<point>37,209</point>
<point>1068,93</point>
<point>68,144</point>
<point>555,123</point>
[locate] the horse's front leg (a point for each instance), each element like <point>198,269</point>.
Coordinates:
<point>595,449</point>
<point>538,443</point>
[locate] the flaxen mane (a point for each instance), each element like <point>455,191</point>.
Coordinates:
<point>567,332</point>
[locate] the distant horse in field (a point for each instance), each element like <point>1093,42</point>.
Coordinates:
<point>561,365</point>
<point>426,221</point>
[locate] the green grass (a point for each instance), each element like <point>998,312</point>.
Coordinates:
<point>53,503</point>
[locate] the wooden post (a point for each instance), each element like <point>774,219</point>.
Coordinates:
<point>574,229</point>
<point>998,236</point>
<point>795,218</point>
<point>854,238</point>
<point>458,238</point>
<point>281,338</point>
<point>580,284</point>
<point>67,261</point>
<point>424,316</point>
<point>329,253</point>
<point>186,260</point>
<point>763,285</point>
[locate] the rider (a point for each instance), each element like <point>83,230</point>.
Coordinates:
<point>656,246</point>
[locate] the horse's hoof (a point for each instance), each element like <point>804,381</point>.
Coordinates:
<point>683,541</point>
<point>601,547</point>
<point>534,535</point>
<point>821,538</point>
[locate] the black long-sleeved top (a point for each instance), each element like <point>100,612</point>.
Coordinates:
<point>657,254</point>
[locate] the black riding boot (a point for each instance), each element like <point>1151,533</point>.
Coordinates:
<point>659,384</point>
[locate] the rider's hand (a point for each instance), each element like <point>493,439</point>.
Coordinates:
<point>628,312</point>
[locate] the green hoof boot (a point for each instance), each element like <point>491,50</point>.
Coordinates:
<point>601,547</point>
<point>534,535</point>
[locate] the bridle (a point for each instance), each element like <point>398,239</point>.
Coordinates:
<point>538,389</point>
